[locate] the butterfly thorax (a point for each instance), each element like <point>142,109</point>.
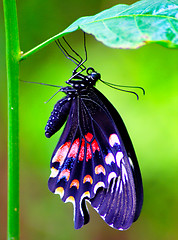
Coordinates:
<point>80,81</point>
<point>79,85</point>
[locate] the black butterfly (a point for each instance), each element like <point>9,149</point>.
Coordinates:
<point>94,159</point>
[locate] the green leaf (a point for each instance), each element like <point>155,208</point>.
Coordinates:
<point>132,26</point>
<point>128,26</point>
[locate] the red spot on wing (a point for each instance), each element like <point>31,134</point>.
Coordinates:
<point>89,137</point>
<point>100,169</point>
<point>74,149</point>
<point>89,154</point>
<point>88,178</point>
<point>89,149</point>
<point>65,173</point>
<point>82,150</point>
<point>75,183</point>
<point>61,153</point>
<point>95,146</point>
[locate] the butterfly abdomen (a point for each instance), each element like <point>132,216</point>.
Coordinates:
<point>58,116</point>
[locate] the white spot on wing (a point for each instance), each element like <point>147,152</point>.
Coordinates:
<point>124,174</point>
<point>111,175</point>
<point>72,200</point>
<point>118,182</point>
<point>113,139</point>
<point>109,158</point>
<point>85,194</point>
<point>120,187</point>
<point>113,183</point>
<point>119,156</point>
<point>98,185</point>
<point>131,163</point>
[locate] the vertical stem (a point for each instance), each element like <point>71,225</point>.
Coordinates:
<point>12,61</point>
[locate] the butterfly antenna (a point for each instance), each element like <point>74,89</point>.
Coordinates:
<point>52,96</point>
<point>46,84</point>
<point>120,89</point>
<point>123,86</point>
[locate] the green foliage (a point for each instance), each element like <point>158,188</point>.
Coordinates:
<point>129,26</point>
<point>133,26</point>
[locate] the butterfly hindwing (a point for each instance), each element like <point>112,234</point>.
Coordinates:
<point>92,163</point>
<point>119,200</point>
<point>129,149</point>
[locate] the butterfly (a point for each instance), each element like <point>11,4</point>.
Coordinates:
<point>94,159</point>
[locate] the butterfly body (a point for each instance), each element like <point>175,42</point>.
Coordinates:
<point>94,159</point>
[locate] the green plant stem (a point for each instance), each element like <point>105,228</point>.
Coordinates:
<point>12,61</point>
<point>43,44</point>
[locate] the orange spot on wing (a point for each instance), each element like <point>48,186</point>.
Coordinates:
<point>61,153</point>
<point>71,199</point>
<point>88,178</point>
<point>75,183</point>
<point>65,173</point>
<point>89,137</point>
<point>89,154</point>
<point>100,169</point>
<point>60,191</point>
<point>95,146</point>
<point>54,172</point>
<point>82,148</point>
<point>74,149</point>
<point>85,194</point>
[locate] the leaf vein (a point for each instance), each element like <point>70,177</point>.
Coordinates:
<point>137,25</point>
<point>148,7</point>
<point>109,28</point>
<point>134,15</point>
<point>172,25</point>
<point>129,8</point>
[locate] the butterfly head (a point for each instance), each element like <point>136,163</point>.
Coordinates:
<point>92,76</point>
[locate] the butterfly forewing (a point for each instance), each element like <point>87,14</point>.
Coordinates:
<point>91,162</point>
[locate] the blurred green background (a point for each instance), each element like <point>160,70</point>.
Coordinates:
<point>151,122</point>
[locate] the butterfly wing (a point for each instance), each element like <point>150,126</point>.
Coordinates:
<point>125,203</point>
<point>92,163</point>
<point>129,149</point>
